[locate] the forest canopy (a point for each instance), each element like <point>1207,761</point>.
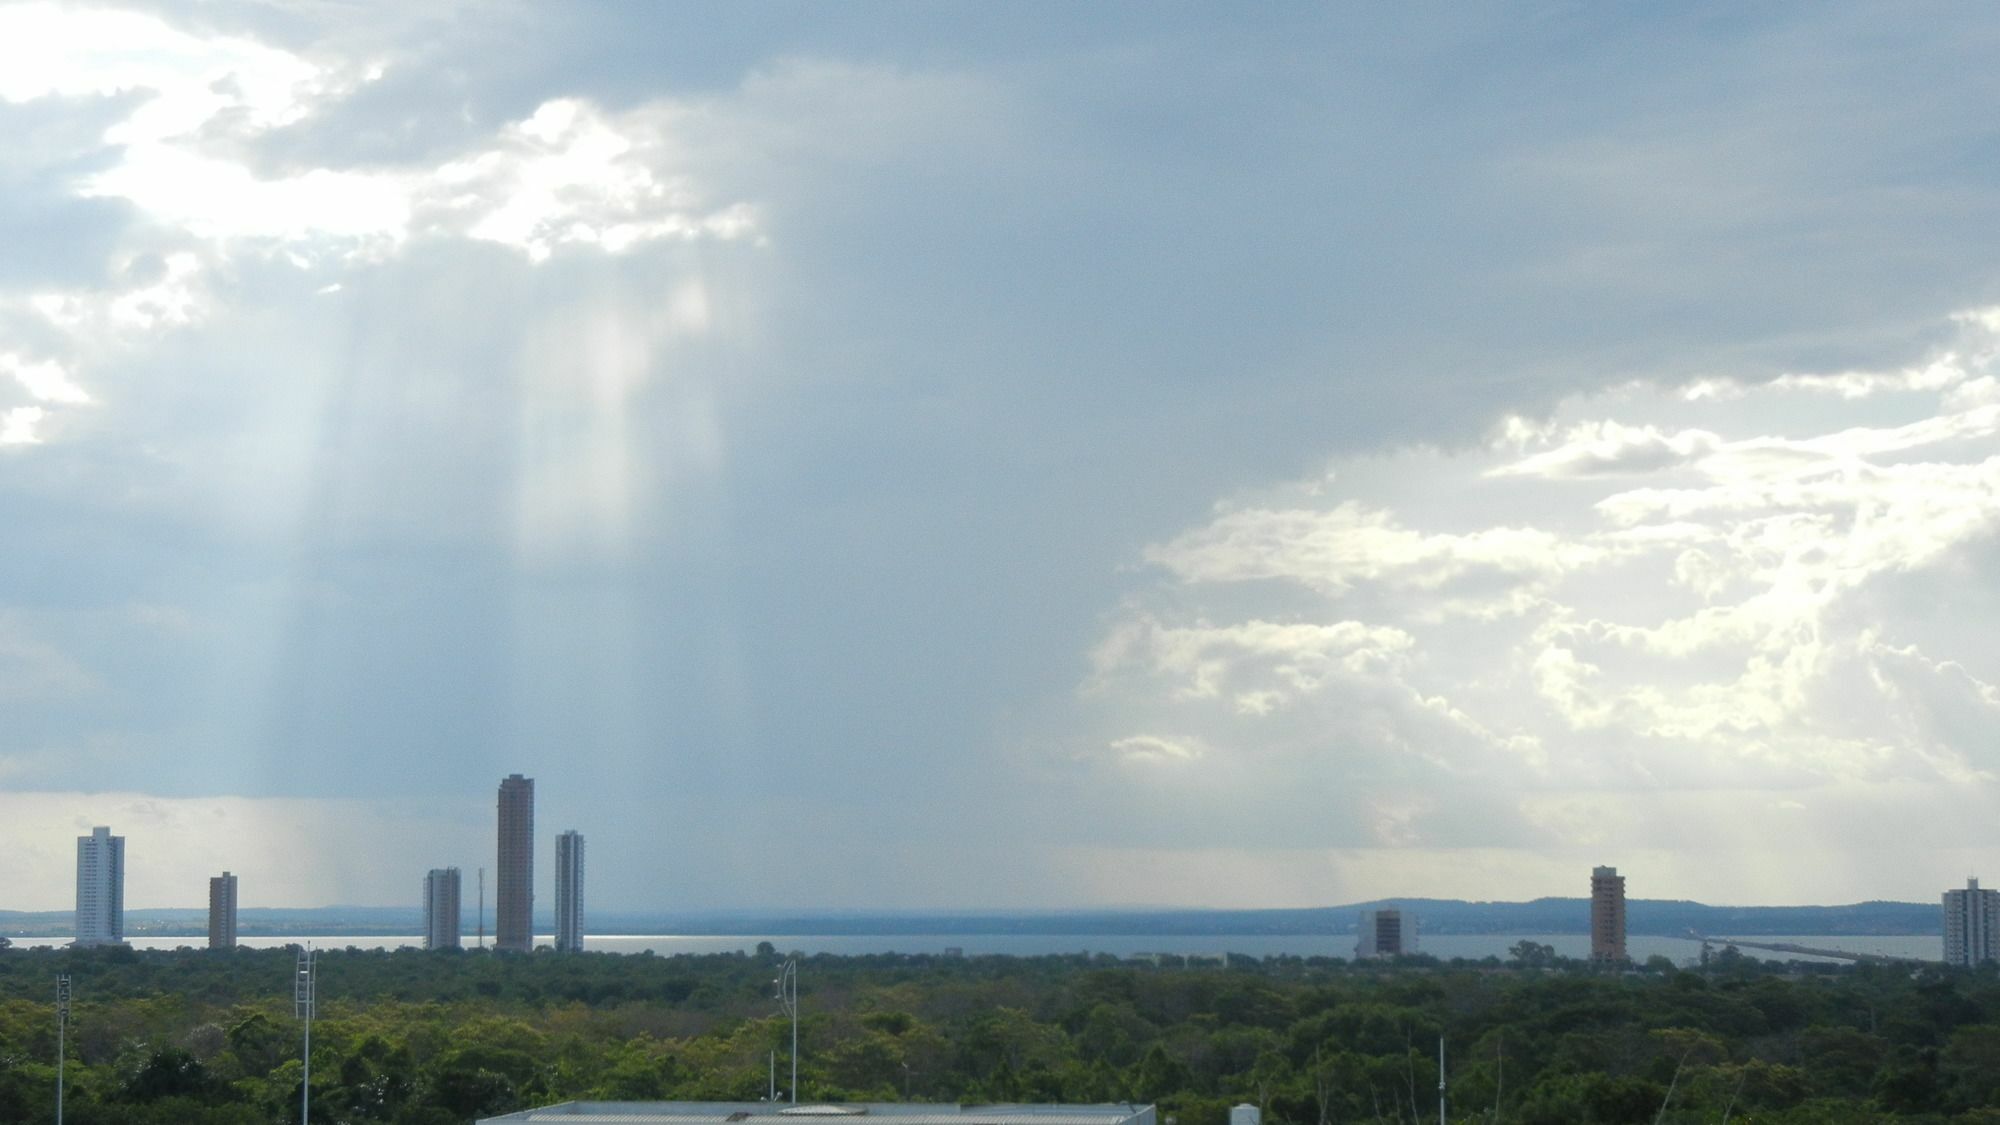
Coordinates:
<point>193,1037</point>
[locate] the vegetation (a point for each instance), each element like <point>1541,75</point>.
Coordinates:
<point>194,1037</point>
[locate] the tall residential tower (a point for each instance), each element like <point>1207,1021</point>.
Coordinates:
<point>514,905</point>
<point>1971,925</point>
<point>569,892</point>
<point>1385,933</point>
<point>100,888</point>
<point>1607,916</point>
<point>441,922</point>
<point>222,911</point>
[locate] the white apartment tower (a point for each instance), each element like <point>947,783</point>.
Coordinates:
<point>100,888</point>
<point>569,892</point>
<point>1971,925</point>
<point>441,921</point>
<point>222,911</point>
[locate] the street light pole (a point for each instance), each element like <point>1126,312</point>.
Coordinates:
<point>62,1038</point>
<point>1440,1080</point>
<point>303,1004</point>
<point>788,1000</point>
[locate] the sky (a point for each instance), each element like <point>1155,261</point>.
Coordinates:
<point>945,456</point>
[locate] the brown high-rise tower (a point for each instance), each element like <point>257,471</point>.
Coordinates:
<point>514,908</point>
<point>1607,915</point>
<point>222,911</point>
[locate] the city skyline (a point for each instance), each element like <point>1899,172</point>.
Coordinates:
<point>1023,457</point>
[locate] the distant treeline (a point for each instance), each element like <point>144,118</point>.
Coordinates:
<point>1661,917</point>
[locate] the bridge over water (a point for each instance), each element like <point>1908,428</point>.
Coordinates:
<point>1808,951</point>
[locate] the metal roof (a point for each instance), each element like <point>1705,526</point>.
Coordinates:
<point>768,1113</point>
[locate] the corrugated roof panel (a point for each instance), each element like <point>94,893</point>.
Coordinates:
<point>757,1113</point>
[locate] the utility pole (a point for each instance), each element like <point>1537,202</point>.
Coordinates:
<point>1440,1080</point>
<point>62,1037</point>
<point>303,1004</point>
<point>788,1001</point>
<point>482,908</point>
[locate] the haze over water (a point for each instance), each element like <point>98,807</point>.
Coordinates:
<point>1444,946</point>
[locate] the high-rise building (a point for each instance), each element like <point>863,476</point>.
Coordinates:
<point>100,888</point>
<point>1607,915</point>
<point>1971,925</point>
<point>441,922</point>
<point>1385,933</point>
<point>514,905</point>
<point>569,892</point>
<point>222,911</point>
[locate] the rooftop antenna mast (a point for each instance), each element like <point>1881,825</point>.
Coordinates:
<point>788,1001</point>
<point>304,1003</point>
<point>62,1037</point>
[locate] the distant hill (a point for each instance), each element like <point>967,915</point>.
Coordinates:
<point>1663,917</point>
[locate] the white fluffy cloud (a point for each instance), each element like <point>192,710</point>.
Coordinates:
<point>1692,605</point>
<point>183,156</point>
<point>1352,544</point>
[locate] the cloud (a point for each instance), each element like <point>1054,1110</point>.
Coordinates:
<point>1609,449</point>
<point>1152,748</point>
<point>673,403</point>
<point>1284,660</point>
<point>1725,631</point>
<point>178,151</point>
<point>17,425</point>
<point>1351,543</point>
<point>567,175</point>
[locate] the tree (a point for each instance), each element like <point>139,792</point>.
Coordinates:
<point>1532,954</point>
<point>170,1073</point>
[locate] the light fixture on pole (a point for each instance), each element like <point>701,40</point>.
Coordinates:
<point>304,1003</point>
<point>62,1037</point>
<point>788,1000</point>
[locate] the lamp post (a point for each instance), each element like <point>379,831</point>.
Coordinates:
<point>303,1004</point>
<point>62,1037</point>
<point>788,1001</point>
<point>1440,1080</point>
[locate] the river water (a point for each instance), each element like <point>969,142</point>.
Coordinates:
<point>1446,946</point>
